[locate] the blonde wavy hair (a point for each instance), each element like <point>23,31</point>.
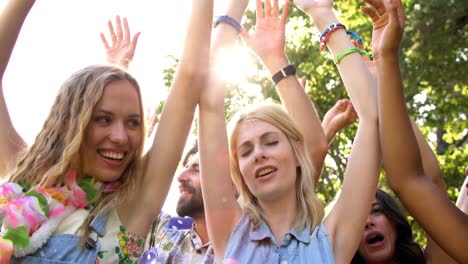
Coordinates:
<point>57,145</point>
<point>310,208</point>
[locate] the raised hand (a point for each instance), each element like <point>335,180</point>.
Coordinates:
<point>268,40</point>
<point>340,116</point>
<point>122,48</point>
<point>388,21</point>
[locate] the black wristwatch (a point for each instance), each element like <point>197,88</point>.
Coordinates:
<point>283,73</point>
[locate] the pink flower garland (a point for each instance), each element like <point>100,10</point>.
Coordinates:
<point>22,214</point>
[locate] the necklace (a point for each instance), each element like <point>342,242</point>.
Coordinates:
<point>23,213</point>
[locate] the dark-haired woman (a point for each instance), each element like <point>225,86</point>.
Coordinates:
<point>388,236</point>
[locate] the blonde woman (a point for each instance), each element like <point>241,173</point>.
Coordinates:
<point>279,218</point>
<point>83,192</point>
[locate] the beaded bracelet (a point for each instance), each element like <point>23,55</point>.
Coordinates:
<point>229,20</point>
<point>327,33</point>
<point>349,51</point>
<point>356,37</point>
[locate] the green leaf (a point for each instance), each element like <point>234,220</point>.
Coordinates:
<point>19,236</point>
<point>88,185</point>
<point>42,201</point>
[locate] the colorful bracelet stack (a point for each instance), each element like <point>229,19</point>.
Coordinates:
<point>356,40</point>
<point>327,33</point>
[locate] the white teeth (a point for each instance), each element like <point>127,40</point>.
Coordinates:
<point>112,155</point>
<point>264,171</point>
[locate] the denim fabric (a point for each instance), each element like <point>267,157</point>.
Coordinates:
<point>249,245</point>
<point>65,248</point>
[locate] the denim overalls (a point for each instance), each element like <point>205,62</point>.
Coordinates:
<point>65,248</point>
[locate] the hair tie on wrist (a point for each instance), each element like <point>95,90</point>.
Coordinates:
<point>229,20</point>
<point>283,73</point>
<point>340,56</point>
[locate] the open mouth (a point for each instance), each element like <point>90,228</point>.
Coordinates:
<point>375,239</point>
<point>116,156</point>
<point>184,191</point>
<point>264,172</point>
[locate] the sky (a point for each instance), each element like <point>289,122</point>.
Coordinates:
<point>62,36</point>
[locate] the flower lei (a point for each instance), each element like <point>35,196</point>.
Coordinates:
<point>23,213</point>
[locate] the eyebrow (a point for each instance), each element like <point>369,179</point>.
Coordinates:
<point>111,113</point>
<point>263,136</point>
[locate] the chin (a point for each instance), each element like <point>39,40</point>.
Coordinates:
<point>107,176</point>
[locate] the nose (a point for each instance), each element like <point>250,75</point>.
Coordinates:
<point>183,175</point>
<point>118,134</point>
<point>259,154</point>
<point>369,222</point>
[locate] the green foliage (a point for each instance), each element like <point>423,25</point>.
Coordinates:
<point>433,63</point>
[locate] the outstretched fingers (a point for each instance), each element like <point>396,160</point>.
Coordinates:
<point>378,5</point>
<point>396,14</point>
<point>135,41</point>
<point>104,41</point>
<point>118,23</point>
<point>275,10</point>
<point>260,13</point>
<point>284,15</point>
<point>401,13</point>
<point>371,13</point>
<point>112,31</point>
<point>126,29</point>
<point>267,8</point>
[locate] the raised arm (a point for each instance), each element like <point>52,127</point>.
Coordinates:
<point>221,209</point>
<point>346,221</point>
<point>268,42</point>
<point>402,157</point>
<point>174,125</point>
<point>11,21</point>
<point>122,48</point>
<point>379,17</point>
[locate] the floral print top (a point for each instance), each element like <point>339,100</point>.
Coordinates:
<point>117,246</point>
<point>177,242</point>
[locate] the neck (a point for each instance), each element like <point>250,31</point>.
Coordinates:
<point>281,215</point>
<point>200,228</point>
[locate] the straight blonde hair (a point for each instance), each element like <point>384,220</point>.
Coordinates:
<point>310,208</point>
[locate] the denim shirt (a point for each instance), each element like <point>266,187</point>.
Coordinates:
<point>65,248</point>
<point>249,245</point>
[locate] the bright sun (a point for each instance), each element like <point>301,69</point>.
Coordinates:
<point>234,64</point>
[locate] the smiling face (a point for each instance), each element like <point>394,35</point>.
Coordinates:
<point>113,134</point>
<point>266,160</point>
<point>190,201</point>
<point>378,243</point>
